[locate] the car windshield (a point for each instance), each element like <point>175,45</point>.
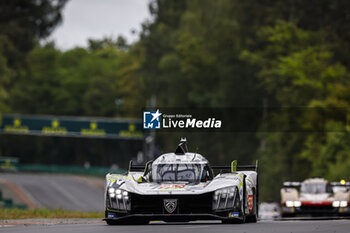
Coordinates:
<point>316,188</point>
<point>177,172</point>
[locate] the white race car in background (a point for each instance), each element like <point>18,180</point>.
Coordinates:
<point>182,186</point>
<point>315,196</point>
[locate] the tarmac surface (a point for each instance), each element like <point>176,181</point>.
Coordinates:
<point>86,194</point>
<point>57,191</point>
<point>324,226</point>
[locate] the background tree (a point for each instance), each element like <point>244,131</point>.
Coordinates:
<point>225,53</point>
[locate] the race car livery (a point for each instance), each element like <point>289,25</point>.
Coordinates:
<point>315,196</point>
<point>181,186</point>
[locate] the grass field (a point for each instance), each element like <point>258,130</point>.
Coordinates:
<point>44,213</point>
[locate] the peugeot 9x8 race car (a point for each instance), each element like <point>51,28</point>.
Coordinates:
<point>315,196</point>
<point>182,187</point>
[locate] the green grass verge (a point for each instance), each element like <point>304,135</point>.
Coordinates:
<point>44,213</point>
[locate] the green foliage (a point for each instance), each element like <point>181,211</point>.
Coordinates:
<point>22,24</point>
<point>298,68</point>
<point>5,76</point>
<point>44,213</point>
<point>200,53</point>
<point>78,82</point>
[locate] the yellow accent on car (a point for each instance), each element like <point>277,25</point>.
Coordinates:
<point>234,166</point>
<point>241,183</point>
<point>240,186</point>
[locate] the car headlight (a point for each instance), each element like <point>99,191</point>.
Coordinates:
<point>297,203</point>
<point>293,203</point>
<point>224,198</point>
<point>119,199</point>
<point>336,203</point>
<point>289,203</point>
<point>343,204</point>
<point>111,190</point>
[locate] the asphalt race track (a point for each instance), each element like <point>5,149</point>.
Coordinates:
<point>325,226</point>
<point>59,191</point>
<point>74,193</point>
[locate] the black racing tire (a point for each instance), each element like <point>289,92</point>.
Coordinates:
<point>251,219</point>
<point>111,222</point>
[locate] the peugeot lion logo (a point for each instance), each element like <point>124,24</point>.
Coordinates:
<point>170,205</point>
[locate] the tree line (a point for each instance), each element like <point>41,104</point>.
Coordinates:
<point>224,53</point>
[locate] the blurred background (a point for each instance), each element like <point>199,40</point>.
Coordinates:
<point>113,58</point>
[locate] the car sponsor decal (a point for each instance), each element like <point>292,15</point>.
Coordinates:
<point>233,214</point>
<point>144,185</point>
<point>250,202</point>
<point>114,178</point>
<point>171,186</point>
<point>116,183</point>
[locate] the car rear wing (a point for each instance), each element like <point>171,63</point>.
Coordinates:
<point>140,168</point>
<point>341,184</point>
<point>133,167</point>
<point>291,184</point>
<point>234,167</point>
